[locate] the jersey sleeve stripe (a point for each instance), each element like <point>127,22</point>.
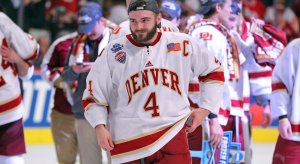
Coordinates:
<point>90,101</point>
<point>194,87</point>
<point>278,87</point>
<point>254,75</point>
<point>295,128</point>
<point>214,76</point>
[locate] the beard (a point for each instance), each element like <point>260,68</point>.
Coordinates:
<point>141,38</point>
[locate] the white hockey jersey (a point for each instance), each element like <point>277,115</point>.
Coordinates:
<point>123,29</point>
<point>218,43</point>
<point>146,87</point>
<point>259,76</point>
<point>11,108</point>
<point>286,87</point>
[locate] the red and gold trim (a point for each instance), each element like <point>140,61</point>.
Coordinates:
<point>138,143</point>
<point>11,104</point>
<point>254,75</point>
<point>141,143</point>
<point>90,101</point>
<point>278,87</point>
<point>217,75</point>
<point>295,128</point>
<point>194,87</point>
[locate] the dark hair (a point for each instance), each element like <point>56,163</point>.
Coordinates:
<point>213,10</point>
<point>1,8</point>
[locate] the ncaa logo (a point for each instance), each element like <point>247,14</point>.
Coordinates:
<point>121,57</point>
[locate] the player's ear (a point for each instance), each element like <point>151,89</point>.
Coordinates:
<point>218,7</point>
<point>158,20</point>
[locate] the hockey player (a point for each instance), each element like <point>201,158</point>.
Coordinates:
<point>124,29</point>
<point>141,82</point>
<point>285,104</point>
<point>222,44</point>
<point>17,50</point>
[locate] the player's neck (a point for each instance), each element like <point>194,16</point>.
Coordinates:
<point>215,18</point>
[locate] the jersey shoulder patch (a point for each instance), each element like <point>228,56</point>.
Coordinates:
<point>116,30</point>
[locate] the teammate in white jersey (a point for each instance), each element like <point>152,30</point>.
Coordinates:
<point>124,28</point>
<point>17,49</point>
<point>222,44</point>
<point>140,84</point>
<point>261,45</point>
<point>285,104</point>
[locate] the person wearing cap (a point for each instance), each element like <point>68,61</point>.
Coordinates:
<point>140,85</point>
<point>92,37</point>
<point>171,10</point>
<point>124,29</point>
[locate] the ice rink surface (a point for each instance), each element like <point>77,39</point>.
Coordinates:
<point>45,154</point>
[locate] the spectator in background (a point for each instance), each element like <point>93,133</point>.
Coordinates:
<point>170,10</point>
<point>253,8</point>
<point>296,7</point>
<point>62,118</point>
<point>92,38</point>
<point>17,49</point>
<point>283,18</point>
<point>61,16</point>
<point>60,21</point>
<point>118,12</point>
<point>10,8</point>
<point>44,45</point>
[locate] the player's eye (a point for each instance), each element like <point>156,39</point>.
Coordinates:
<point>132,21</point>
<point>144,20</point>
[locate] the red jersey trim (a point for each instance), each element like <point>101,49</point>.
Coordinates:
<point>278,86</point>
<point>246,99</point>
<point>237,103</point>
<point>11,104</point>
<point>192,104</point>
<point>129,37</point>
<point>90,101</point>
<point>139,143</point>
<point>224,112</point>
<point>255,75</point>
<point>33,56</point>
<point>87,102</point>
<point>194,87</point>
<point>295,128</point>
<point>217,76</point>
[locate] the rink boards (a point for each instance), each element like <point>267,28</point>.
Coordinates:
<point>38,101</point>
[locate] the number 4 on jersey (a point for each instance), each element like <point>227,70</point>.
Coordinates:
<point>151,105</point>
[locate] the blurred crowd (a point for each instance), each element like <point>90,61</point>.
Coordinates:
<point>47,20</point>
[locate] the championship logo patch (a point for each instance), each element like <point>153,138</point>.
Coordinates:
<point>172,47</point>
<point>121,57</point>
<point>116,47</point>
